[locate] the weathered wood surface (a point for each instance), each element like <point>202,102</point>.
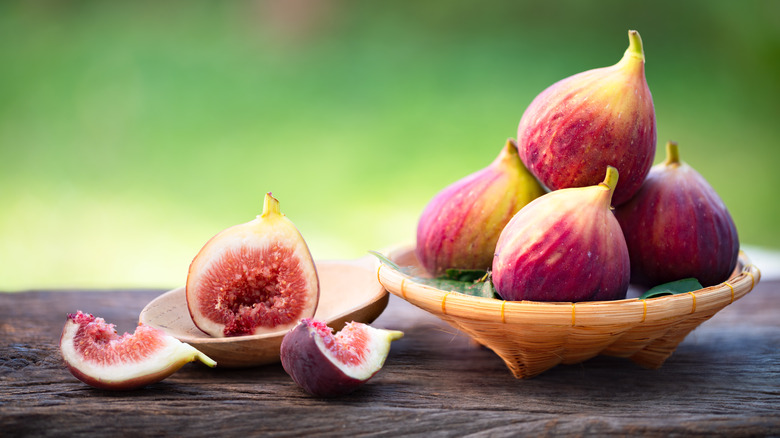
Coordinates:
<point>723,380</point>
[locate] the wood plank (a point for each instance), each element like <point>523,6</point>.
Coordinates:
<point>724,379</point>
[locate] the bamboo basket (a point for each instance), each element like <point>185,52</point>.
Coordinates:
<point>532,337</point>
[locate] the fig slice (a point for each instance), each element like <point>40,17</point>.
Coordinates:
<point>328,365</point>
<point>253,278</point>
<point>99,357</point>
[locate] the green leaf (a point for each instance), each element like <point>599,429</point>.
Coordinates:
<point>464,274</point>
<point>383,258</point>
<point>466,281</point>
<point>672,288</point>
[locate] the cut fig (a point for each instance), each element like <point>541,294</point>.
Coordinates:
<point>99,357</point>
<point>253,278</point>
<point>328,365</point>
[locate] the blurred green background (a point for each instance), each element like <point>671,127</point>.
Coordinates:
<point>131,132</point>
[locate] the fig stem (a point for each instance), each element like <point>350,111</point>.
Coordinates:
<point>206,360</point>
<point>635,48</point>
<point>610,181</point>
<point>672,153</point>
<point>270,205</point>
<point>509,153</point>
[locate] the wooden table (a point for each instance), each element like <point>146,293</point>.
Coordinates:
<point>724,379</point>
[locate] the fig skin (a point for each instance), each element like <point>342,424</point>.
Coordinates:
<point>678,227</point>
<point>105,366</point>
<point>460,225</point>
<point>578,126</point>
<point>304,358</point>
<point>564,246</point>
<point>253,278</point>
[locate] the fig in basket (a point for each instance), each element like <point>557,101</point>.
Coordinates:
<point>677,227</point>
<point>99,357</point>
<point>564,246</point>
<point>460,226</point>
<point>579,125</point>
<point>253,278</point>
<point>328,365</point>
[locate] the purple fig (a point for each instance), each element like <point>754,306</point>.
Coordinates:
<point>328,365</point>
<point>677,227</point>
<point>460,226</point>
<point>564,246</point>
<point>578,126</point>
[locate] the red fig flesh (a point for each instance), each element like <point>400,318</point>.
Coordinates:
<point>578,126</point>
<point>328,365</point>
<point>564,246</point>
<point>677,227</point>
<point>460,225</point>
<point>253,278</point>
<point>99,357</point>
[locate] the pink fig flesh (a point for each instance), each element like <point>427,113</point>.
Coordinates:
<point>460,226</point>
<point>678,227</point>
<point>253,278</point>
<point>99,357</point>
<point>564,246</point>
<point>580,125</point>
<point>328,365</point>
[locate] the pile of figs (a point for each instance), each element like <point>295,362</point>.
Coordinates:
<point>574,209</point>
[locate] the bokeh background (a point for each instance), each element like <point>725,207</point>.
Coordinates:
<point>131,132</point>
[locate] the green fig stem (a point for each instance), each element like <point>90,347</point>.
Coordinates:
<point>672,154</point>
<point>509,153</point>
<point>635,48</point>
<point>270,206</point>
<point>610,181</point>
<point>206,360</point>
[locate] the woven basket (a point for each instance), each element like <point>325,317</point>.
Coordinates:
<point>532,337</point>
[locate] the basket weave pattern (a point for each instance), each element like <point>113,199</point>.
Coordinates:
<point>532,337</point>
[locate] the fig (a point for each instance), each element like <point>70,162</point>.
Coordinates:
<point>460,226</point>
<point>328,365</point>
<point>99,357</point>
<point>564,246</point>
<point>253,278</point>
<point>678,227</point>
<point>578,126</point>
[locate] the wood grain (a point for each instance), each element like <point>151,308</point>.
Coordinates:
<point>723,380</point>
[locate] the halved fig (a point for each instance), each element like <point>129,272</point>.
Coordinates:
<point>328,365</point>
<point>253,278</point>
<point>99,357</point>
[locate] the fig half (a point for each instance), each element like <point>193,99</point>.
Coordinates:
<point>99,357</point>
<point>253,278</point>
<point>328,365</point>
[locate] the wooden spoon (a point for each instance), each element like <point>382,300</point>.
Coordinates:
<point>349,291</point>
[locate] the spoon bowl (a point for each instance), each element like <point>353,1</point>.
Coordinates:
<point>349,291</point>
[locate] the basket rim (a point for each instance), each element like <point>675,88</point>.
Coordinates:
<point>453,304</point>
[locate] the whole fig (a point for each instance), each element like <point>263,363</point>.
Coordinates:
<point>677,227</point>
<point>460,225</point>
<point>564,246</point>
<point>578,126</point>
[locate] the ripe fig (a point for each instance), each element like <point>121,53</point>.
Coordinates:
<point>564,246</point>
<point>253,278</point>
<point>98,356</point>
<point>328,365</point>
<point>578,126</point>
<point>677,227</point>
<point>460,225</point>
